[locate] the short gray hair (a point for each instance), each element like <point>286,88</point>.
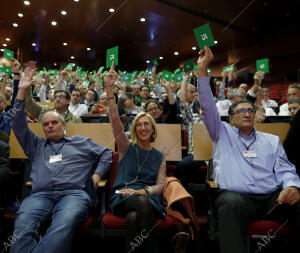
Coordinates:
<point>293,100</point>
<point>62,119</point>
<point>235,92</point>
<point>294,86</point>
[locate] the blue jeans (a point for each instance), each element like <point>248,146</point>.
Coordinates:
<point>66,209</point>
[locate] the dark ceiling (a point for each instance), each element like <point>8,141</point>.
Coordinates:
<point>168,28</point>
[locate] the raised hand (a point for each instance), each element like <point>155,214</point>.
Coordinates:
<point>15,66</point>
<point>165,84</point>
<point>153,70</point>
<point>27,78</point>
<point>111,76</point>
<point>205,57</point>
<point>64,74</point>
<point>258,76</point>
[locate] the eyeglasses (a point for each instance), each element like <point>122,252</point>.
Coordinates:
<point>243,111</point>
<point>152,109</point>
<point>59,96</point>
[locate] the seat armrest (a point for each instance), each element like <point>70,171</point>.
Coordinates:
<point>212,184</point>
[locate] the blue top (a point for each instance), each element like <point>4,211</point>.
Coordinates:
<point>263,174</point>
<point>6,117</point>
<point>149,163</point>
<point>80,156</point>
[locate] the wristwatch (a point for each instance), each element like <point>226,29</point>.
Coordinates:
<point>108,98</point>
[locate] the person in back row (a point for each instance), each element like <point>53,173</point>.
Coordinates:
<point>61,105</point>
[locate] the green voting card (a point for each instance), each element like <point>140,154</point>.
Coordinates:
<point>178,77</point>
<point>188,66</point>
<point>112,56</point>
<point>6,70</point>
<point>53,71</point>
<point>126,78</point>
<point>70,66</point>
<point>167,75</point>
<point>263,65</point>
<point>8,54</point>
<point>204,36</point>
<point>229,68</point>
<point>155,62</point>
<point>100,69</point>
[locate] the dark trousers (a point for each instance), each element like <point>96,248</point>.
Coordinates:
<point>236,210</point>
<point>140,226</point>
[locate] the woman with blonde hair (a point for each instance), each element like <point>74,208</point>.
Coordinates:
<point>136,193</point>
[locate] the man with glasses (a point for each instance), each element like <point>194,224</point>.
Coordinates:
<point>145,94</point>
<point>254,176</point>
<point>61,105</point>
<point>75,107</point>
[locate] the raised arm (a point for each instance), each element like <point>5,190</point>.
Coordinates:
<point>27,139</point>
<point>252,93</point>
<point>118,131</point>
<point>61,80</point>
<point>15,68</point>
<point>210,113</point>
<point>168,89</point>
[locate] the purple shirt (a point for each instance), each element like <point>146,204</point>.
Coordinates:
<point>263,174</point>
<point>79,156</point>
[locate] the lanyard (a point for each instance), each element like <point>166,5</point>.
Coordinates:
<point>56,152</point>
<point>247,147</point>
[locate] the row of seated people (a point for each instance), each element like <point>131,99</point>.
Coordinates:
<point>145,134</point>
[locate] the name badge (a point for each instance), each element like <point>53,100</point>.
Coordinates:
<point>249,153</point>
<point>55,158</point>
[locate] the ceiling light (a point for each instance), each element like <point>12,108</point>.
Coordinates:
<point>5,45</point>
<point>111,10</point>
<point>65,43</point>
<point>216,42</point>
<point>148,61</point>
<point>194,48</point>
<point>72,57</point>
<point>26,2</point>
<point>20,15</point>
<point>15,25</point>
<point>55,64</point>
<point>54,23</point>
<point>88,49</point>
<point>76,0</point>
<point>161,58</point>
<point>176,53</point>
<point>2,49</point>
<point>142,19</point>
<point>7,39</point>
<point>63,13</point>
<point>33,44</point>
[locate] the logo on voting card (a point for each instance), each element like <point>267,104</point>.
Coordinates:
<point>204,36</point>
<point>112,57</point>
